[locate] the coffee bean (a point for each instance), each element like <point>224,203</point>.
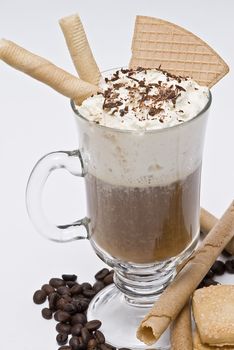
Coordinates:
<point>86,336</point>
<point>53,299</point>
<point>78,318</point>
<point>103,347</point>
<point>48,289</point>
<point>98,286</point>
<point>90,293</point>
<point>57,282</point>
<point>69,278</point>
<point>70,308</point>
<point>108,279</point>
<point>71,284</point>
<point>67,298</point>
<point>210,274</point>
<point>99,336</point>
<point>92,344</point>
<point>226,254</point>
<point>218,268</point>
<point>76,343</point>
<point>85,286</point>
<point>110,347</point>
<point>63,328</point>
<point>62,316</point>
<point>63,290</point>
<point>61,304</point>
<point>76,329</point>
<point>65,348</point>
<point>62,338</point>
<point>81,305</point>
<point>229,265</point>
<point>82,298</point>
<point>209,282</point>
<point>39,297</point>
<point>85,300</point>
<point>201,285</point>
<point>46,313</point>
<point>76,289</point>
<point>100,275</point>
<point>93,325</point>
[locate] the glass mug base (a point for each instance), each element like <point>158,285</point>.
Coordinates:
<point>122,306</point>
<point>120,320</point>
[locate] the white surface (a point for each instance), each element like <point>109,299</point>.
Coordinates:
<point>36,120</point>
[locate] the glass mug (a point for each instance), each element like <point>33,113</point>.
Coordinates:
<point>143,196</point>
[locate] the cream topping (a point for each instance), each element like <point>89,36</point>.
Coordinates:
<point>144,99</point>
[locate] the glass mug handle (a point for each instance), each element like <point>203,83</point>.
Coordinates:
<point>71,161</point>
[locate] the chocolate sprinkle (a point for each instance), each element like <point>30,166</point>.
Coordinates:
<point>180,87</point>
<point>142,95</point>
<point>154,111</point>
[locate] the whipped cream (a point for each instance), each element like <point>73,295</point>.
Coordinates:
<point>141,100</point>
<point>144,99</point>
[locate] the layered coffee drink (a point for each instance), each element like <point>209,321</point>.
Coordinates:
<point>143,164</point>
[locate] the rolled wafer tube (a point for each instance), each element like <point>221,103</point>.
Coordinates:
<point>181,330</point>
<point>207,221</point>
<point>79,49</point>
<point>176,295</point>
<point>45,71</point>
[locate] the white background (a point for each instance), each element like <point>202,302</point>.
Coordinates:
<point>36,120</point>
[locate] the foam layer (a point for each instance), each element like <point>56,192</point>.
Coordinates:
<point>142,159</point>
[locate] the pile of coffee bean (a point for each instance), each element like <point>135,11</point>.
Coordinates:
<point>68,302</point>
<point>217,269</point>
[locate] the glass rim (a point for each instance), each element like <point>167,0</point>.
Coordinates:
<point>140,131</point>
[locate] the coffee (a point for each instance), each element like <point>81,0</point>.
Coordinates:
<point>144,224</point>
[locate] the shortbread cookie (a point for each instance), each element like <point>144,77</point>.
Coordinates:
<point>213,309</point>
<point>197,344</point>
